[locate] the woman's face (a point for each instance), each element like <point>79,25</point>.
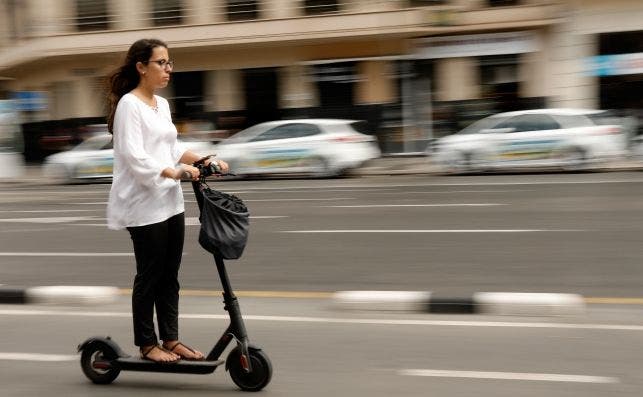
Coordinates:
<point>155,73</point>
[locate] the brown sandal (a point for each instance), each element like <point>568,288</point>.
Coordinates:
<point>177,344</point>
<point>144,355</point>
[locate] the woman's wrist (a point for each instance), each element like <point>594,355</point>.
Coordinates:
<point>172,173</point>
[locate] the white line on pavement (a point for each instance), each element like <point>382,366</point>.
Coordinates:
<point>461,191</point>
<point>416,205</point>
<point>304,199</point>
<point>331,320</point>
<point>43,211</point>
<point>57,219</point>
<point>435,231</point>
<point>38,357</point>
<point>508,376</point>
<point>31,230</point>
<point>81,254</point>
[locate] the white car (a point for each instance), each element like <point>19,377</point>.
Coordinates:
<point>318,147</point>
<point>545,138</point>
<point>93,160</point>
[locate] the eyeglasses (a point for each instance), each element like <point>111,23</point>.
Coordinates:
<point>164,64</point>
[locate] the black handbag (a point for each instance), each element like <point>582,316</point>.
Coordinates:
<point>225,224</point>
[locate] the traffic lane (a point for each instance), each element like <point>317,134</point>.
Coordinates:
<point>274,251</point>
<point>591,263</point>
<point>579,207</point>
<point>449,264</point>
<point>319,357</point>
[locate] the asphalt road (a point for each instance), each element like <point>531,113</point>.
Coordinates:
<point>542,233</point>
<point>577,233</point>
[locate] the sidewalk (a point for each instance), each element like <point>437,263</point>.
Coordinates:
<point>386,165</point>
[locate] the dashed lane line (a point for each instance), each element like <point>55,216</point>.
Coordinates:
<point>436,231</point>
<point>417,205</point>
<point>508,376</point>
<point>38,357</point>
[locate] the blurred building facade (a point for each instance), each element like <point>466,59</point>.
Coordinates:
<point>415,69</point>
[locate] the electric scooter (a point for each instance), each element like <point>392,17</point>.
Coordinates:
<point>102,359</point>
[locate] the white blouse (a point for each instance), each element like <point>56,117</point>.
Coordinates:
<point>145,143</point>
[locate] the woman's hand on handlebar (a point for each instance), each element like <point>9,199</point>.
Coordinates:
<point>221,166</point>
<point>186,172</point>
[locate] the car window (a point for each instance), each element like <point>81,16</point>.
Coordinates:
<point>245,135</point>
<point>530,122</point>
<point>483,124</point>
<point>295,130</point>
<point>95,143</point>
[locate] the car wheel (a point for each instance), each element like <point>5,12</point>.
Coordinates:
<point>573,159</point>
<point>462,163</point>
<point>320,168</point>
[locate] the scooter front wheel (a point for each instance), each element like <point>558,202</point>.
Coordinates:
<point>96,362</point>
<point>261,372</point>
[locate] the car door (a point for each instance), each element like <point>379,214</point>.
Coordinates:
<point>98,162</point>
<point>526,139</point>
<point>284,148</point>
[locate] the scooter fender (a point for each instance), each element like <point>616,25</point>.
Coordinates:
<point>251,348</point>
<point>106,342</point>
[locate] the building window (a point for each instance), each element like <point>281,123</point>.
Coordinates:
<point>91,15</point>
<point>316,7</point>
<point>503,3</point>
<point>16,18</point>
<point>425,3</point>
<point>167,12</point>
<point>241,10</point>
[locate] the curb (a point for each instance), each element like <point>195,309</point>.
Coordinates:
<point>494,303</point>
<point>59,295</point>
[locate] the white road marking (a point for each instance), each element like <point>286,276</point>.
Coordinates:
<point>304,199</point>
<point>38,357</point>
<point>416,205</point>
<point>44,211</point>
<point>31,230</point>
<point>57,219</point>
<point>435,231</point>
<point>49,192</point>
<point>508,376</point>
<point>331,320</point>
<point>461,191</point>
<point>62,254</point>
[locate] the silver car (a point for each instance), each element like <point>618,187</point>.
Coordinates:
<point>543,138</point>
<point>318,147</point>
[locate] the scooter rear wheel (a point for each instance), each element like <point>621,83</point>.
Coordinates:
<point>96,364</point>
<point>250,381</point>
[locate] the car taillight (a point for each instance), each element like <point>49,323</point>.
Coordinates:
<point>609,130</point>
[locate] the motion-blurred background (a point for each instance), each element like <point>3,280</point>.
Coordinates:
<point>414,70</point>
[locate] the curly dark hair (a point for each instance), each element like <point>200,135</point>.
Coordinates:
<point>126,77</point>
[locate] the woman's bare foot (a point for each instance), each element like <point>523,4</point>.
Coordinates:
<point>158,354</point>
<point>185,352</point>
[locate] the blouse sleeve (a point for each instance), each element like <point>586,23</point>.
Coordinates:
<point>128,143</point>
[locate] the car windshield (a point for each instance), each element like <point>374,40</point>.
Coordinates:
<point>94,143</point>
<point>245,135</point>
<point>483,124</point>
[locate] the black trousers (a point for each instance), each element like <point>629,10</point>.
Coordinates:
<point>158,249</point>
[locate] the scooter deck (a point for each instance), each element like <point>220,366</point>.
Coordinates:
<point>180,367</point>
